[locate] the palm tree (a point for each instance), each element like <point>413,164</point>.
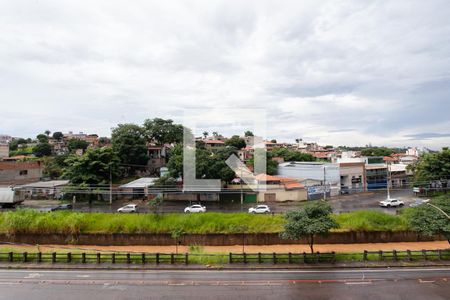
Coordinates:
<point>47,132</point>
<point>205,134</point>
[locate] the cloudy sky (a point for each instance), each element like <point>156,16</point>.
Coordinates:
<point>342,72</point>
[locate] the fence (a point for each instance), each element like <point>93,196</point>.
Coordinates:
<point>231,258</point>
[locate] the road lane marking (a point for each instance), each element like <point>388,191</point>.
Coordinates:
<point>33,275</point>
<point>358,282</point>
<point>426,281</point>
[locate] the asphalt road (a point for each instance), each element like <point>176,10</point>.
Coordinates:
<point>411,284</point>
<point>343,203</point>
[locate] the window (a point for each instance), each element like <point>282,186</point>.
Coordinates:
<point>23,172</point>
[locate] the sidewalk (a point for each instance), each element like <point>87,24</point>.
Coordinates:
<point>248,248</point>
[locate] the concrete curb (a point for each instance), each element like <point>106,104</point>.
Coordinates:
<point>248,267</point>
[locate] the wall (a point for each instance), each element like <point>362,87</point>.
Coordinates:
<point>11,171</point>
<point>283,195</point>
<point>350,170</point>
<point>215,239</point>
<point>4,150</point>
<point>311,170</point>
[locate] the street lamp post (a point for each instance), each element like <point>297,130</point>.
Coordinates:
<point>439,209</point>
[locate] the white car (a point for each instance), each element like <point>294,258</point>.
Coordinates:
<point>129,208</point>
<point>196,208</point>
<point>260,209</point>
<point>391,202</point>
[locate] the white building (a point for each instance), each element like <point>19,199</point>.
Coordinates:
<point>313,172</point>
<point>4,150</point>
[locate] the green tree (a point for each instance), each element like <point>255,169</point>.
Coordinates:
<point>103,141</point>
<point>248,133</point>
<point>58,135</point>
<point>271,165</point>
<point>13,145</point>
<point>162,131</point>
<point>236,142</point>
<point>42,149</point>
<point>377,151</point>
<point>290,155</point>
<point>47,133</point>
<point>42,138</point>
<point>432,166</point>
<point>315,218</point>
<point>51,168</point>
<point>75,144</point>
<point>93,167</point>
<point>130,145</point>
<point>210,164</point>
<point>205,134</point>
<point>429,220</point>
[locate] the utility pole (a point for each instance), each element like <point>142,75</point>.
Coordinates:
<point>324,183</point>
<point>242,192</point>
<point>110,185</point>
<point>388,181</point>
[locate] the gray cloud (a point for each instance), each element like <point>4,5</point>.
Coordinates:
<point>427,136</point>
<point>348,72</point>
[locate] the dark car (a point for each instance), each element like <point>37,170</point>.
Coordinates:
<point>62,207</point>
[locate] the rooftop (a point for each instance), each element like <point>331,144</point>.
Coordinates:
<point>139,183</point>
<point>45,184</point>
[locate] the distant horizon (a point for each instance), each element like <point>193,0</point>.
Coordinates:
<point>200,131</point>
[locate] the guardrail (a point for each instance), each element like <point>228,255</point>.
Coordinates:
<point>230,258</point>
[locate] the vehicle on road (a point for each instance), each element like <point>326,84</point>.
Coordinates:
<point>391,202</point>
<point>260,209</point>
<point>196,208</point>
<point>9,197</point>
<point>418,202</point>
<point>63,207</point>
<point>129,208</point>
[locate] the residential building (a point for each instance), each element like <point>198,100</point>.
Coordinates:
<point>278,188</point>
<point>138,189</point>
<point>246,153</point>
<point>4,150</point>
<point>157,157</point>
<point>399,175</point>
<point>5,139</point>
<point>353,176</point>
<point>213,143</point>
<point>376,176</point>
<point>52,189</point>
<point>267,188</point>
<point>252,140</point>
<point>20,172</point>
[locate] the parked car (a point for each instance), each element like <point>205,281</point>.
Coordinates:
<point>63,207</point>
<point>391,202</point>
<point>345,190</point>
<point>129,208</point>
<point>260,209</point>
<point>419,202</point>
<point>196,208</point>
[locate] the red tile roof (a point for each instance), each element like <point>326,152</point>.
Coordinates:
<point>213,142</point>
